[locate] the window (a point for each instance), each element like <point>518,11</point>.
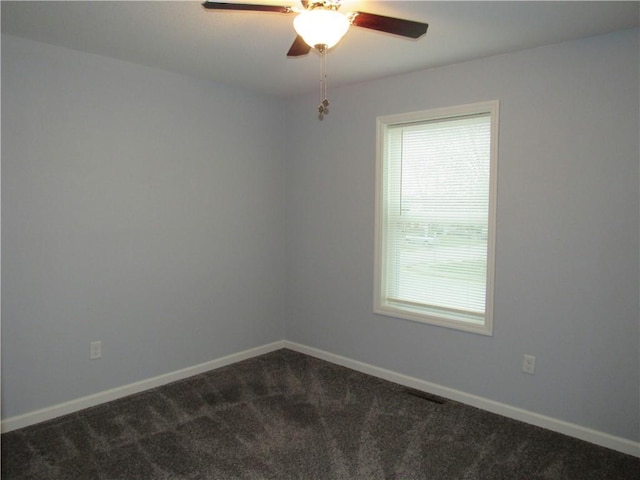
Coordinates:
<point>435,215</point>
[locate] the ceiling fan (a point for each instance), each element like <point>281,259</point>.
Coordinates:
<point>320,25</point>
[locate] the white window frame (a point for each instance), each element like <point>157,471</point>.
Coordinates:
<point>381,305</point>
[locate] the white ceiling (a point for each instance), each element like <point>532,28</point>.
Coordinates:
<point>248,49</point>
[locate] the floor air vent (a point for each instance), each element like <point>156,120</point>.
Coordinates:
<point>424,395</point>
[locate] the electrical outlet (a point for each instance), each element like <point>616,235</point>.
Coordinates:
<point>529,364</point>
<point>96,350</point>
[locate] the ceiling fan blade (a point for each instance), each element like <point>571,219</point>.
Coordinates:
<point>246,7</point>
<point>397,26</point>
<point>298,48</point>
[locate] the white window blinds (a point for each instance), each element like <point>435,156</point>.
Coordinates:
<point>436,202</point>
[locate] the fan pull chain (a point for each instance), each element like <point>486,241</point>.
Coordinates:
<point>323,109</point>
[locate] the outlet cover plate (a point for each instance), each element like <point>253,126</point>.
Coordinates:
<point>96,350</point>
<point>528,364</point>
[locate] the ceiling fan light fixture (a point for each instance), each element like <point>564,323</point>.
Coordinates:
<point>321,27</point>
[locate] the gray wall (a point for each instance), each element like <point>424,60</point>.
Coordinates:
<point>146,210</point>
<point>140,208</point>
<point>567,231</point>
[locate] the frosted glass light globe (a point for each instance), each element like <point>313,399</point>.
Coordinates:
<point>321,27</point>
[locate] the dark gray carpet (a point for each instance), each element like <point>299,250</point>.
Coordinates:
<point>289,416</point>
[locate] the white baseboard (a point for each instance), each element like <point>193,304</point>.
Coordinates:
<point>37,416</point>
<point>583,433</point>
<point>573,430</point>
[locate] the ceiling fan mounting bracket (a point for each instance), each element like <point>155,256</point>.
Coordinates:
<point>324,4</point>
